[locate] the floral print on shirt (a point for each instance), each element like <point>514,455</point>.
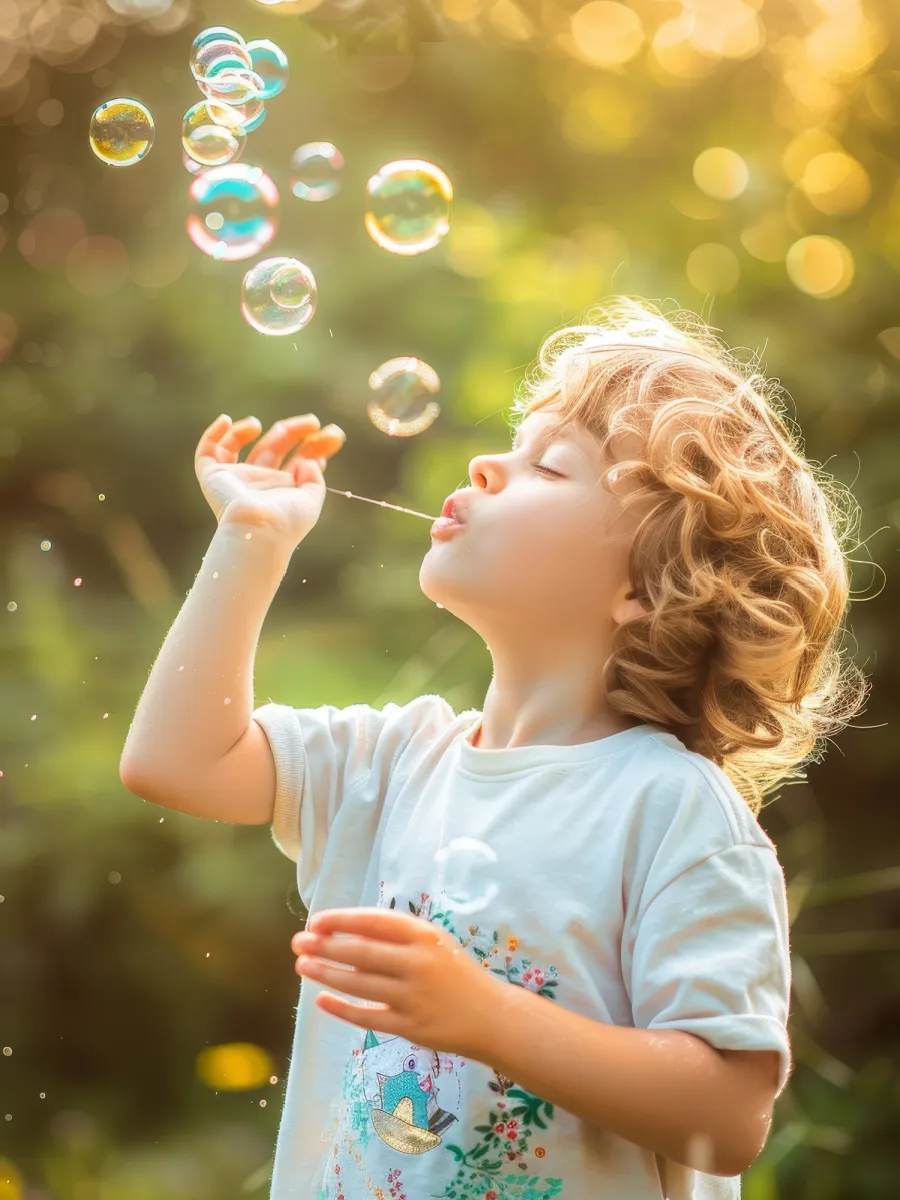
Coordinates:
<point>410,1096</point>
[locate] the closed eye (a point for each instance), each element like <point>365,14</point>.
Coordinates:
<point>549,471</point>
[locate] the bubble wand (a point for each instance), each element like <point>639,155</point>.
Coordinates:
<point>383,503</point>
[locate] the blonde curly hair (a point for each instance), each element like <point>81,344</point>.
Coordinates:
<point>740,559</point>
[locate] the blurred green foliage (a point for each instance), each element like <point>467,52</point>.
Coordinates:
<point>130,940</point>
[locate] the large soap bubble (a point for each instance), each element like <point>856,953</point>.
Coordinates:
<point>278,296</point>
<point>252,113</point>
<point>467,874</point>
<point>234,212</point>
<point>408,206</point>
<point>121,132</point>
<point>215,33</point>
<point>271,62</point>
<point>213,134</point>
<point>401,403</point>
<point>316,171</point>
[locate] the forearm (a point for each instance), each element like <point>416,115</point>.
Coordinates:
<point>198,698</point>
<point>665,1090</point>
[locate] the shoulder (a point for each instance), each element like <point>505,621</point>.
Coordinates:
<point>675,788</point>
<point>424,725</point>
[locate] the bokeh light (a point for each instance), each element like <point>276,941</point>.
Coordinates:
<point>278,296</point>
<point>234,1067</point>
<point>121,132</point>
<point>821,266</point>
<point>408,206</point>
<point>97,266</point>
<point>402,391</point>
<point>316,171</point>
<point>721,173</point>
<point>606,34</point>
<point>234,211</point>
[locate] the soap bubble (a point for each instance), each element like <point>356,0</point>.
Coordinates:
<point>315,171</point>
<point>215,33</point>
<point>467,874</point>
<point>400,406</point>
<point>279,296</point>
<point>408,206</point>
<point>234,86</point>
<point>212,134</point>
<point>217,55</point>
<point>121,132</point>
<point>252,113</point>
<point>271,62</point>
<point>234,212</point>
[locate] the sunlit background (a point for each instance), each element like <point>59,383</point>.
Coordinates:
<point>737,157</point>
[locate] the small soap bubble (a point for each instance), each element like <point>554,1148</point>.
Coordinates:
<point>408,206</point>
<point>219,54</point>
<point>234,211</point>
<point>114,877</point>
<point>7,1050</point>
<point>467,874</point>
<point>121,132</point>
<point>252,113</point>
<point>316,171</point>
<point>271,62</point>
<point>279,296</point>
<point>234,86</point>
<point>212,134</point>
<point>45,545</point>
<point>215,33</point>
<point>401,404</point>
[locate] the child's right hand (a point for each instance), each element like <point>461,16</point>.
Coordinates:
<point>280,485</point>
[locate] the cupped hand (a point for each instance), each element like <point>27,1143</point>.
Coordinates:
<point>280,485</point>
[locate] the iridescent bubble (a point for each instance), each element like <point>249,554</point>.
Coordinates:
<point>278,296</point>
<point>315,171</point>
<point>219,55</point>
<point>467,874</point>
<point>401,405</point>
<point>212,134</point>
<point>234,86</point>
<point>234,212</point>
<point>408,206</point>
<point>121,132</point>
<point>271,62</point>
<point>252,114</point>
<point>215,33</point>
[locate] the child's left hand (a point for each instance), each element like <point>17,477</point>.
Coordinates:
<point>430,990</point>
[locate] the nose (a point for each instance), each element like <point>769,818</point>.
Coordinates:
<point>486,470</point>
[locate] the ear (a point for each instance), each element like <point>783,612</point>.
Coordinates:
<point>628,605</point>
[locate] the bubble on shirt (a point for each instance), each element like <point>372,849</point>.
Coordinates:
<point>408,206</point>
<point>234,212</point>
<point>271,63</point>
<point>278,296</point>
<point>121,132</point>
<point>316,171</point>
<point>213,134</point>
<point>402,391</point>
<point>467,874</point>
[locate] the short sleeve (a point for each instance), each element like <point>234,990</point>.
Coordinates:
<point>327,756</point>
<point>710,954</point>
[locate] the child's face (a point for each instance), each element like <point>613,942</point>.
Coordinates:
<point>544,548</point>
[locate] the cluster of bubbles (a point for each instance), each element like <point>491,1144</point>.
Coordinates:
<point>234,207</point>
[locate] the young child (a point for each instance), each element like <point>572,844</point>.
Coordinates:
<point>660,578</point>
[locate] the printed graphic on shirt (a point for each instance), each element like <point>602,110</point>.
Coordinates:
<point>411,1098</point>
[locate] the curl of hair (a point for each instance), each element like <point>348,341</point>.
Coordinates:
<point>740,551</point>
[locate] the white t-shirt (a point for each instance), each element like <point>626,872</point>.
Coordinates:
<point>635,887</point>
